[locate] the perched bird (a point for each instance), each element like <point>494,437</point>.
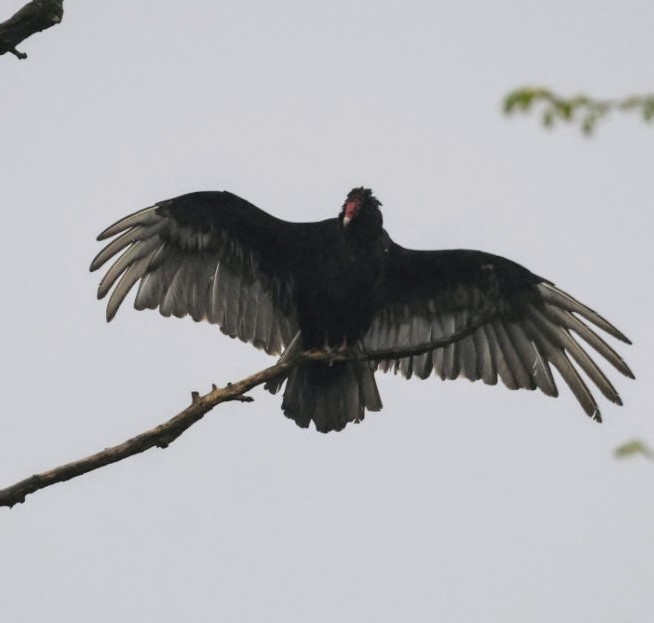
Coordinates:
<point>344,282</point>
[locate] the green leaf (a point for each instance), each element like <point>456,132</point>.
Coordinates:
<point>633,448</point>
<point>564,109</point>
<point>548,118</point>
<point>588,123</point>
<point>648,109</point>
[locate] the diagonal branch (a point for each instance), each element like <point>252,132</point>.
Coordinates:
<point>164,434</point>
<point>34,17</point>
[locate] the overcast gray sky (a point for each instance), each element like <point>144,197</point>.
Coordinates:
<point>458,502</point>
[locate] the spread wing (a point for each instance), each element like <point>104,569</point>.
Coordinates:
<point>432,294</point>
<point>211,255</point>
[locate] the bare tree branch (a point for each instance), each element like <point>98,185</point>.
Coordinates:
<point>164,434</point>
<point>34,17</point>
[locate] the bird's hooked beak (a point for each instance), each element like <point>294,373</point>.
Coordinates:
<point>351,208</point>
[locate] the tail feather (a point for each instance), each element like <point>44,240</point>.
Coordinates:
<point>330,395</point>
<point>368,386</point>
<point>293,349</point>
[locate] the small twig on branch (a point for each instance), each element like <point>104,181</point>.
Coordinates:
<point>34,17</point>
<point>164,434</point>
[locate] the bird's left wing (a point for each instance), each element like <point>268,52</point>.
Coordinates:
<point>210,255</point>
<point>433,294</point>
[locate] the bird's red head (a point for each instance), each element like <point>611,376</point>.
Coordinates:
<point>357,199</point>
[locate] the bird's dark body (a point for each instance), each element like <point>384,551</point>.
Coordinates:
<point>344,282</point>
<point>338,287</point>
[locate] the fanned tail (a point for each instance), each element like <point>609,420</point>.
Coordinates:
<point>329,394</point>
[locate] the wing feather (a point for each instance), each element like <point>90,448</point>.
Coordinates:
<point>212,256</point>
<point>560,336</point>
<point>438,356</point>
<point>519,370</point>
<point>470,359</point>
<point>502,360</point>
<point>138,250</point>
<point>431,295</point>
<point>569,321</point>
<point>485,357</point>
<point>451,361</point>
<point>539,374</point>
<point>557,356</point>
<point>131,276</point>
<point>563,300</point>
<point>146,217</point>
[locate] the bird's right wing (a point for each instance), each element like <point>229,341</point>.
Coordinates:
<point>210,255</point>
<point>530,324</point>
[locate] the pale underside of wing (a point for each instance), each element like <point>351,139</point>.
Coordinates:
<point>206,276</point>
<point>519,349</point>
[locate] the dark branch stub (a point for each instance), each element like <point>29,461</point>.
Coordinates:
<point>34,17</point>
<point>17,54</point>
<point>163,435</point>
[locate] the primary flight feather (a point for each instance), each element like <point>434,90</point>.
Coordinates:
<point>286,287</point>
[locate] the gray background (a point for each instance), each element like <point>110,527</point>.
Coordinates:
<point>458,502</point>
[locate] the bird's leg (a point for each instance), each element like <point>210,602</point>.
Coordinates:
<point>331,351</point>
<point>343,348</point>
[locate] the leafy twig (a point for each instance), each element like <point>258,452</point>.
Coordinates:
<point>582,109</point>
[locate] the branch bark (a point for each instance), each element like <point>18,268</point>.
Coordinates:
<point>34,17</point>
<point>164,434</point>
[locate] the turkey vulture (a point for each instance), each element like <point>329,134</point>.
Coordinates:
<point>286,287</point>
